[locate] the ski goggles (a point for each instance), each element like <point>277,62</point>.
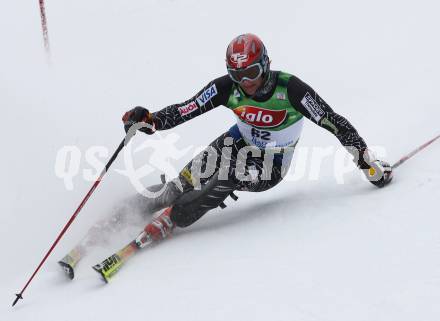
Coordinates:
<point>251,72</point>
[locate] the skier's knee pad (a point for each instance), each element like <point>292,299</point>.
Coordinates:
<point>161,195</point>
<point>194,204</point>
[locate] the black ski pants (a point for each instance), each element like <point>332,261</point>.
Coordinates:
<point>228,164</point>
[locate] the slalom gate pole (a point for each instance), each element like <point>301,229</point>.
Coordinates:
<point>44,26</point>
<point>408,156</point>
<point>81,205</point>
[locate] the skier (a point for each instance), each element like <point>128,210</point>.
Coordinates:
<point>270,107</point>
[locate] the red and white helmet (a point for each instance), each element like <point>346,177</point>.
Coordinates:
<point>246,58</point>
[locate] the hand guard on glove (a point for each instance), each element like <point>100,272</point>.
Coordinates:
<point>137,115</point>
<point>378,172</point>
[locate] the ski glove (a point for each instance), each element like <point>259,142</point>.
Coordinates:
<point>378,172</point>
<point>137,115</point>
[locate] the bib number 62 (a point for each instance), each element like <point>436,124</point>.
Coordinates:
<point>262,134</point>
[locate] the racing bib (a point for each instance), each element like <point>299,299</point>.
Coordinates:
<point>271,123</point>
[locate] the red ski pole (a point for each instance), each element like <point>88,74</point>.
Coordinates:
<point>406,157</point>
<point>81,205</point>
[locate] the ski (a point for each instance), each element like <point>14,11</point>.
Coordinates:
<point>111,265</point>
<point>68,269</point>
<point>69,262</point>
<point>158,229</point>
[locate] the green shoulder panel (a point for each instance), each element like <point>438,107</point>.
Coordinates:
<point>283,78</point>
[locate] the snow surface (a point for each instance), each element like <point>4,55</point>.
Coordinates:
<point>309,249</point>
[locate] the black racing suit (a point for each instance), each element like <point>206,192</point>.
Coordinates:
<point>190,202</point>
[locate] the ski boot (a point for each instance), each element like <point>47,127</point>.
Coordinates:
<point>158,229</point>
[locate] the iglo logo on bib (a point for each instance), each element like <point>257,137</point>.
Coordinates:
<point>261,117</point>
